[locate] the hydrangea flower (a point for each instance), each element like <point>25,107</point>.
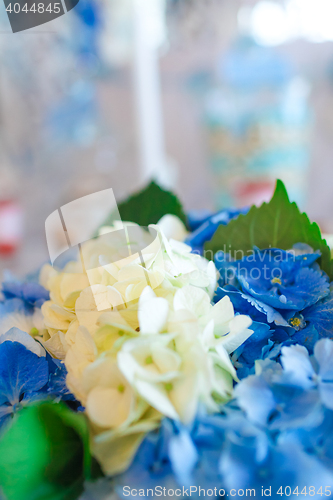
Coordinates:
<point>293,395</point>
<point>311,372</point>
<point>27,373</point>
<point>253,462</point>
<point>23,377</point>
<point>21,304</point>
<point>203,226</point>
<point>134,360</point>
<point>223,451</point>
<point>30,292</point>
<point>276,277</point>
<point>78,297</point>
<point>286,291</point>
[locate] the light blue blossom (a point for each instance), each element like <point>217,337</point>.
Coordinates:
<point>311,371</point>
<point>271,398</point>
<point>30,292</point>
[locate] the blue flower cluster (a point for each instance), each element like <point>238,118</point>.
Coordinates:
<point>285,293</point>
<point>27,372</point>
<point>276,436</point>
<point>204,225</point>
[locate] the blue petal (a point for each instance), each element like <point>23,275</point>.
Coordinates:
<point>256,398</point>
<point>323,353</point>
<point>296,362</point>
<point>14,305</point>
<point>252,348</point>
<point>269,297</point>
<point>32,293</point>
<point>309,287</point>
<point>205,227</point>
<point>246,304</point>
<point>57,382</point>
<point>20,371</point>
<point>306,337</point>
<point>326,394</point>
<point>183,457</point>
<point>196,218</point>
<point>275,277</point>
<point>296,407</point>
<point>320,316</point>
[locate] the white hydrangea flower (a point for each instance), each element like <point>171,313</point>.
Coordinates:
<point>140,338</point>
<point>79,297</point>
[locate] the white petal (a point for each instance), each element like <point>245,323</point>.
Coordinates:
<point>172,227</point>
<point>114,298</point>
<point>147,294</point>
<point>46,272</point>
<point>157,397</point>
<point>108,407</point>
<point>153,314</point>
<point>222,313</point>
<point>184,397</point>
<point>72,283</point>
<point>193,299</point>
<point>16,320</point>
<point>225,361</point>
<point>239,333</point>
<point>165,359</point>
<point>57,345</point>
<point>56,317</point>
<point>86,310</point>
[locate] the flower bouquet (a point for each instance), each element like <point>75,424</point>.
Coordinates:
<point>175,356</point>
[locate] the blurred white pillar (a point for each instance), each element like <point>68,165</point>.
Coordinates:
<point>149,35</point>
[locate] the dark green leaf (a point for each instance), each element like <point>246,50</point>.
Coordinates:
<point>149,205</point>
<point>277,224</point>
<point>44,454</point>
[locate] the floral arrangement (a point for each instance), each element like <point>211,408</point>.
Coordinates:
<point>203,369</point>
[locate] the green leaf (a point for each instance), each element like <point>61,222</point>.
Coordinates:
<point>149,205</point>
<point>44,454</point>
<point>277,224</point>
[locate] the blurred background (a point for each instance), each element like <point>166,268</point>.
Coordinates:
<point>213,98</point>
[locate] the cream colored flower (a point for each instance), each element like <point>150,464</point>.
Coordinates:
<point>79,296</point>
<point>139,336</point>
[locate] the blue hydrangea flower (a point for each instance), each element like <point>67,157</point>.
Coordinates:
<point>23,377</point>
<point>203,226</point>
<point>278,278</point>
<point>271,330</point>
<point>297,306</point>
<point>253,348</point>
<point>252,462</point>
<point>27,373</point>
<point>225,451</point>
<point>17,313</point>
<point>283,396</point>
<point>293,402</point>
<point>176,455</point>
<point>31,293</point>
<point>21,304</point>
<point>270,398</point>
<point>311,371</point>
